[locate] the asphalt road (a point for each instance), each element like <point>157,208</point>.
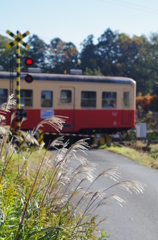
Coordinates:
<point>138,219</point>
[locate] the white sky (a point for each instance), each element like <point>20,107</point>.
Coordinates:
<point>74,20</point>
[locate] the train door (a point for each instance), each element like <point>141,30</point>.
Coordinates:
<point>126,114</point>
<point>66,107</point>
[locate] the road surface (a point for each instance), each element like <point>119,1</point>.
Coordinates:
<point>138,219</point>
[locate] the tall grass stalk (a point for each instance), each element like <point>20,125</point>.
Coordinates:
<point>44,198</point>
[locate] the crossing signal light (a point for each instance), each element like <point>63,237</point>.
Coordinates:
<point>29,78</point>
<point>20,114</point>
<point>29,61</point>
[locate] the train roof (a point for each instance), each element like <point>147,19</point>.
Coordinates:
<point>71,78</point>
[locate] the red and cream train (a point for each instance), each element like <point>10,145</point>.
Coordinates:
<point>91,103</point>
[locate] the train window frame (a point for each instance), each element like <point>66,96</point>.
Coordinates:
<point>126,106</point>
<point>5,97</point>
<point>111,99</point>
<point>47,99</point>
<point>89,99</point>
<point>66,90</point>
<point>21,98</point>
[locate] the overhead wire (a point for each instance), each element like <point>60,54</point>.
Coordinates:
<point>2,30</point>
<point>131,5</point>
<point>120,3</point>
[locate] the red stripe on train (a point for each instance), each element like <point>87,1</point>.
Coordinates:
<point>82,119</point>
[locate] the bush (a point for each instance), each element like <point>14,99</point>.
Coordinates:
<point>37,200</point>
<point>104,146</point>
<point>147,103</point>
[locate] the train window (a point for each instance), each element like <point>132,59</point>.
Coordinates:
<point>46,98</point>
<point>3,95</point>
<point>26,98</point>
<point>126,99</point>
<point>109,99</point>
<point>88,99</point>
<point>65,96</point>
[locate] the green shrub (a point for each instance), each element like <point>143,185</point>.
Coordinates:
<point>104,146</point>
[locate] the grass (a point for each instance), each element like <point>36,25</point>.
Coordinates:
<point>140,157</point>
<point>37,189</point>
<point>138,151</point>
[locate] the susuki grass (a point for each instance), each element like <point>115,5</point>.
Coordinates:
<point>42,200</point>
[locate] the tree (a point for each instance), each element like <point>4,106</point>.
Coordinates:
<point>70,56</point>
<point>62,56</point>
<point>107,52</point>
<point>38,52</point>
<point>141,67</point>
<point>88,55</point>
<point>115,54</point>
<point>6,55</point>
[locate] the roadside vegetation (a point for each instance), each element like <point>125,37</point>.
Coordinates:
<point>41,195</point>
<point>139,156</point>
<point>144,152</point>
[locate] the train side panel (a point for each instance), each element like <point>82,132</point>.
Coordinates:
<point>80,118</point>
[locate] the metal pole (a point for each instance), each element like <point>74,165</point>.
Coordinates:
<point>11,74</point>
<point>17,40</point>
<point>18,83</point>
<point>11,83</point>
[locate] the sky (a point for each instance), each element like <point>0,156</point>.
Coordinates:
<point>73,20</point>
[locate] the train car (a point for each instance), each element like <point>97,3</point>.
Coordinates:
<point>92,104</point>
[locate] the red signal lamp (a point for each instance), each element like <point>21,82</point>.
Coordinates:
<point>29,61</point>
<point>29,78</point>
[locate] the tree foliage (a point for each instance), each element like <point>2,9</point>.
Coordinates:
<point>95,72</point>
<point>38,51</point>
<point>62,56</point>
<point>115,54</point>
<point>147,103</point>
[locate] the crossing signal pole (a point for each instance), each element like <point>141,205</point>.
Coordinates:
<point>16,42</point>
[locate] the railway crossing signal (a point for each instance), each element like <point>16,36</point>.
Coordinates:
<point>20,113</point>
<point>29,78</point>
<point>16,42</point>
<point>29,61</point>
